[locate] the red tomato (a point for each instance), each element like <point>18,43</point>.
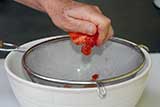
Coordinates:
<point>80,40</point>
<point>95,77</point>
<point>74,35</point>
<point>86,49</point>
<point>88,41</point>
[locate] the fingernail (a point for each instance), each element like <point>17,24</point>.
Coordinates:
<point>90,30</point>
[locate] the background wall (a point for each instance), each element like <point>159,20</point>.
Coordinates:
<point>136,20</point>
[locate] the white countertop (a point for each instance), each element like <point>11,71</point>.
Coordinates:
<point>150,97</point>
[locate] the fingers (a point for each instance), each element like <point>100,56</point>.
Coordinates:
<point>76,25</point>
<point>102,22</point>
<point>105,31</point>
<point>97,9</point>
<point>109,35</point>
<point>87,13</point>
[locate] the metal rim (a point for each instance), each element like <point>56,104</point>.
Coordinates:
<point>104,81</point>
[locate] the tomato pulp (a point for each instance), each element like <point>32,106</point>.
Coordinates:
<point>87,41</point>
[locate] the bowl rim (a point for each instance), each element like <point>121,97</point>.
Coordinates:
<point>30,83</point>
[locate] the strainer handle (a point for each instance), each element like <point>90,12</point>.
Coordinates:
<point>11,47</point>
<point>144,47</point>
<point>101,89</point>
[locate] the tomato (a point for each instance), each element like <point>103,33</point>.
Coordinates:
<point>80,40</point>
<point>90,41</point>
<point>95,77</point>
<point>74,35</point>
<point>87,41</point>
<point>86,49</point>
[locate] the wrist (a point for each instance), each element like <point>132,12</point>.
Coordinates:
<point>41,4</point>
<point>45,4</point>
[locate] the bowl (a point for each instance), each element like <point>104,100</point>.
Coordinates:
<point>30,94</point>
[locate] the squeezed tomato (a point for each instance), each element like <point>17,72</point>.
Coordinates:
<point>87,41</point>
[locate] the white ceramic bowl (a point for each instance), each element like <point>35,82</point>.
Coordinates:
<point>29,94</point>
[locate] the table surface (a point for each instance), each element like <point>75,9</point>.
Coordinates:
<point>150,97</point>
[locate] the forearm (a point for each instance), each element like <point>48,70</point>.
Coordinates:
<point>35,4</point>
<point>43,5</point>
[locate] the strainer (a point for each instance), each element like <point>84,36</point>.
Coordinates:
<point>58,62</point>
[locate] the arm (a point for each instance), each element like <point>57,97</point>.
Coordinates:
<point>35,4</point>
<point>73,16</point>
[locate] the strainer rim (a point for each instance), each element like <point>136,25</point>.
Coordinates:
<point>80,82</point>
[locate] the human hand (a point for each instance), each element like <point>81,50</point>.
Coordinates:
<point>73,16</point>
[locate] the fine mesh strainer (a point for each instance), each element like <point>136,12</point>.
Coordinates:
<point>58,62</point>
